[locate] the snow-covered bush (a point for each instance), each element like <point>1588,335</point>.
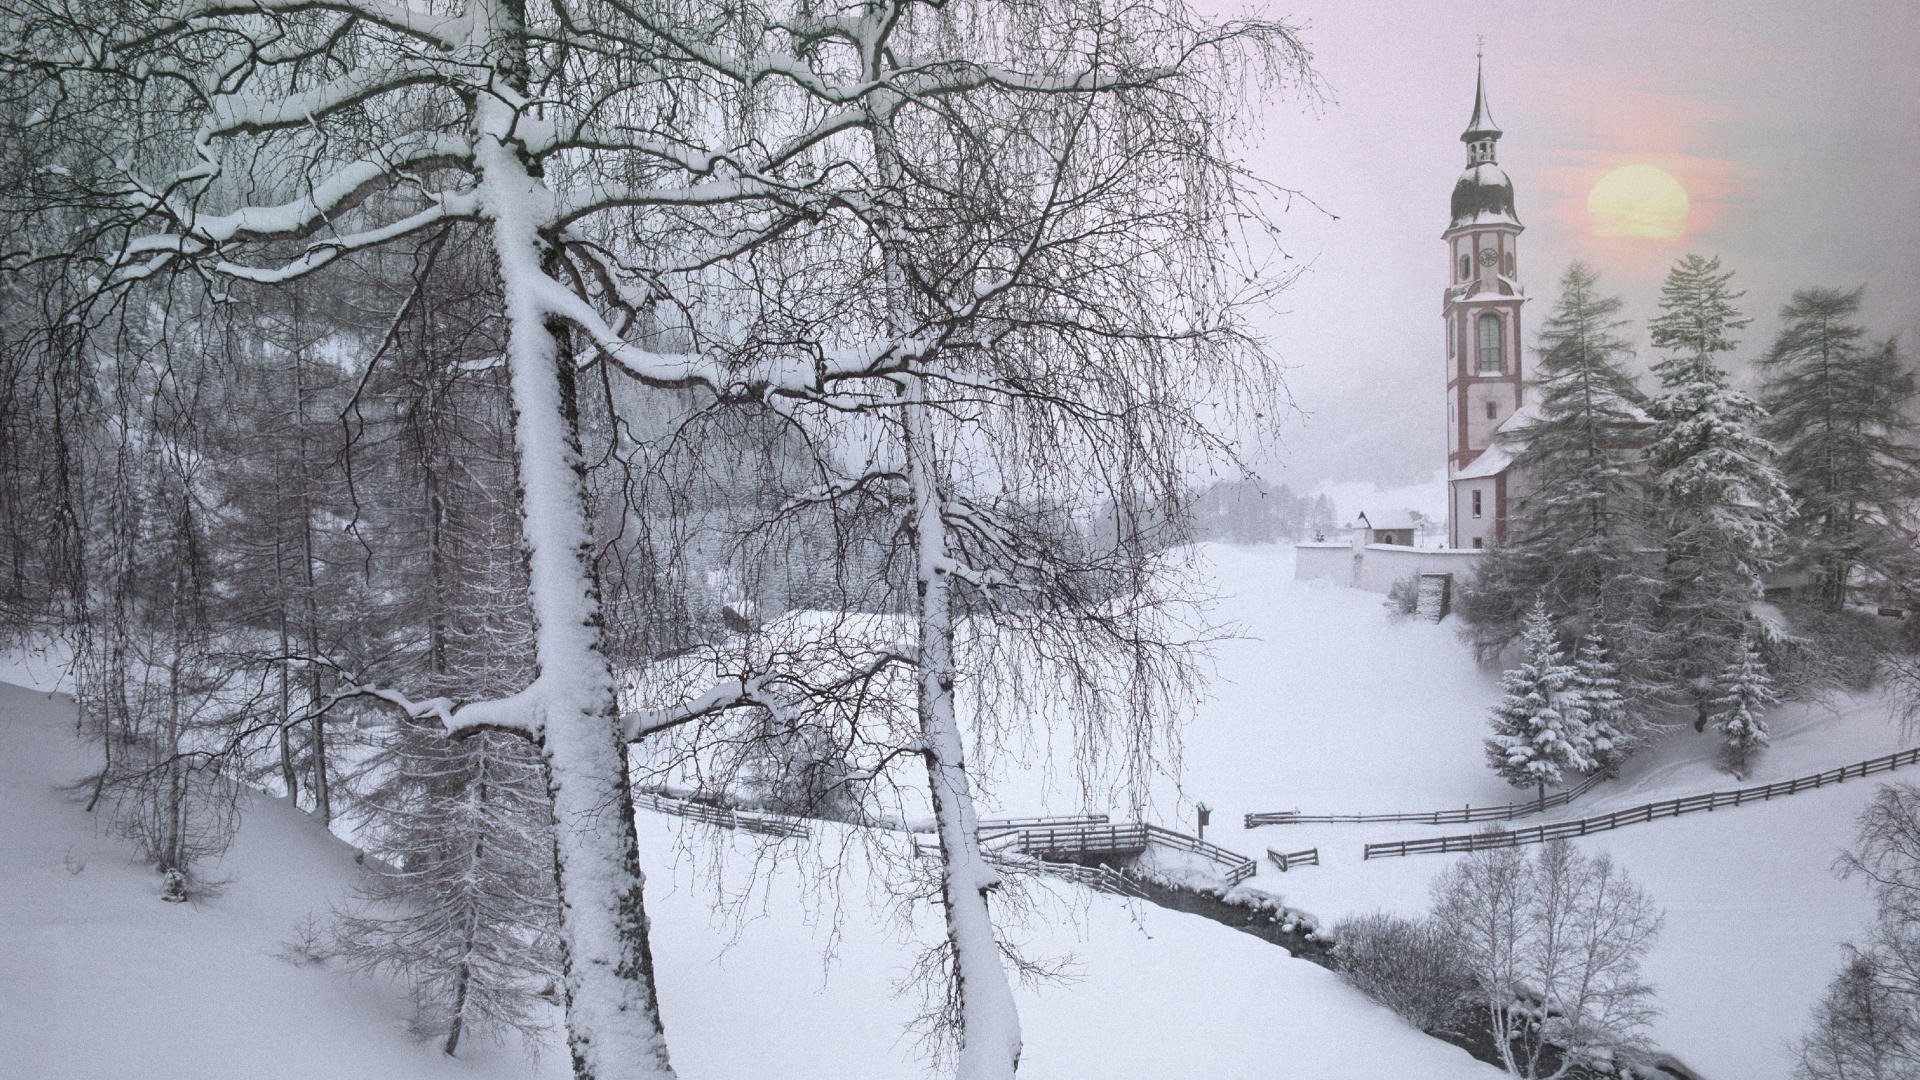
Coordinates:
<point>1403,596</point>
<point>1413,966</point>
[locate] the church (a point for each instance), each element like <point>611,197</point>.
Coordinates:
<point>1482,307</point>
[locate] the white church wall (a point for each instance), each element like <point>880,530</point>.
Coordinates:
<point>1375,567</point>
<point>1381,565</point>
<point>1324,561</point>
<point>1467,527</point>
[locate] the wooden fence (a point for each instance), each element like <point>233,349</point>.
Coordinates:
<point>1463,816</point>
<point>1291,859</point>
<point>1690,804</point>
<point>1101,877</point>
<point>1238,867</point>
<point>993,827</point>
<point>1092,839</point>
<point>720,815</point>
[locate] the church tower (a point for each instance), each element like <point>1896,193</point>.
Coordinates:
<point>1481,307</point>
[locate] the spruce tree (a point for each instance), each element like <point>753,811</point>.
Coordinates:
<point>1539,727</point>
<point>1847,447</point>
<point>1742,695</point>
<point>1579,534</point>
<point>1610,730</point>
<point>1721,503</point>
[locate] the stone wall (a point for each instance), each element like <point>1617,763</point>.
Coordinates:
<point>1375,567</point>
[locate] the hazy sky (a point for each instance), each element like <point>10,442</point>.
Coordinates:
<point>1794,128</point>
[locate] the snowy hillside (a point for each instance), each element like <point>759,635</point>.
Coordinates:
<point>1328,705</point>
<point>99,980</point>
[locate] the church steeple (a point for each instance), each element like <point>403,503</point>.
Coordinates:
<point>1482,307</point>
<point>1484,194</point>
<point>1481,131</point>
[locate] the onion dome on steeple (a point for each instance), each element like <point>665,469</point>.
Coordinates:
<point>1483,194</point>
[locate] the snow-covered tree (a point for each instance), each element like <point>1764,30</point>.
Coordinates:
<point>1721,503</point>
<point>1579,536</point>
<point>1838,412</point>
<point>1554,944</point>
<point>1611,730</point>
<point>459,898</point>
<point>1742,694</point>
<point>1540,726</point>
<point>1867,1025</point>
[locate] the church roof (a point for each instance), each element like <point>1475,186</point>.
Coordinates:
<point>1482,125</point>
<point>1384,519</point>
<point>1483,196</point>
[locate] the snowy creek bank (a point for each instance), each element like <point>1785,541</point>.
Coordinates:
<point>1264,916</point>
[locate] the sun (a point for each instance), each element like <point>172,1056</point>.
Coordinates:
<point>1640,202</point>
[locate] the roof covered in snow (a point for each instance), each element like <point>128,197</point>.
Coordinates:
<point>1384,519</point>
<point>1483,196</point>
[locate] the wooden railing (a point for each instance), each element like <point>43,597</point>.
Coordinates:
<point>1102,877</point>
<point>1094,838</point>
<point>1463,816</point>
<point>1238,867</point>
<point>1690,804</point>
<point>719,815</point>
<point>1288,860</point>
<point>993,827</point>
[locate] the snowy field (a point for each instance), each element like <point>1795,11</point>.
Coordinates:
<point>1326,704</point>
<point>99,980</point>
<point>1321,703</point>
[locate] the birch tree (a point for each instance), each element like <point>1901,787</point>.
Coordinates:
<point>625,165</point>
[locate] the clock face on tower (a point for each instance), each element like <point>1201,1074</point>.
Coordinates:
<point>1488,256</point>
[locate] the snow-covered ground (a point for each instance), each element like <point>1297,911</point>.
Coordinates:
<point>100,980</point>
<point>1325,704</point>
<point>1321,703</point>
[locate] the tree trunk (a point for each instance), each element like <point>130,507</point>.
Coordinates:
<point>613,1016</point>
<point>989,1022</point>
<point>289,776</point>
<point>317,728</point>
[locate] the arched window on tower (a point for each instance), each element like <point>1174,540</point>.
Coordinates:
<point>1466,267</point>
<point>1509,264</point>
<point>1488,333</point>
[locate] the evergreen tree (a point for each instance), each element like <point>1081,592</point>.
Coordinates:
<point>1742,694</point>
<point>1579,532</point>
<point>1539,727</point>
<point>1846,445</point>
<point>1722,504</point>
<point>1597,682</point>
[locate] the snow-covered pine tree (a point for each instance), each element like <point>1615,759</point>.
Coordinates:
<point>1539,727</point>
<point>462,905</point>
<point>1742,695</point>
<point>1722,504</point>
<point>1847,447</point>
<point>1580,532</point>
<point>461,900</point>
<point>1610,730</point>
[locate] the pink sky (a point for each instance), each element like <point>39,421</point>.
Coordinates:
<point>1794,127</point>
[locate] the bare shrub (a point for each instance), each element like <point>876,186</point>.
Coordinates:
<point>1412,966</point>
<point>1554,944</point>
<point>1868,1023</point>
